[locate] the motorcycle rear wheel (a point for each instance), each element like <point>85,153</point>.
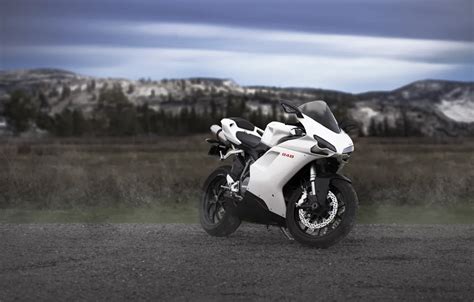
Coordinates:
<point>214,219</point>
<point>332,233</point>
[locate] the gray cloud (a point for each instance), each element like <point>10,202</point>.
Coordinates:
<point>434,19</point>
<point>337,44</point>
<point>207,36</point>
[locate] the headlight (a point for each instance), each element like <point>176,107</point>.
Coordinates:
<point>323,144</point>
<point>349,149</point>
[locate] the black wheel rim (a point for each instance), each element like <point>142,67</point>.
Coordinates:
<point>213,209</point>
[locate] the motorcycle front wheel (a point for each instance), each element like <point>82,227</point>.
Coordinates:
<point>214,218</point>
<point>322,230</point>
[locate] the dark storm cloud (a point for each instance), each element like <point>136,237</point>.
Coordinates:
<point>434,19</point>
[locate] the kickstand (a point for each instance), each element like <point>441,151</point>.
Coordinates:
<point>286,233</point>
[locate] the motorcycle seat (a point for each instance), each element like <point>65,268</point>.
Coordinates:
<point>248,140</point>
<point>243,123</point>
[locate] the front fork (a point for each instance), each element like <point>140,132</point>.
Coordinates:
<point>316,199</point>
<point>312,179</point>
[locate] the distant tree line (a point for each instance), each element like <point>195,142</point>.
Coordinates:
<point>115,115</point>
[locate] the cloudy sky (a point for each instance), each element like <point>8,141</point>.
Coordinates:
<point>338,44</point>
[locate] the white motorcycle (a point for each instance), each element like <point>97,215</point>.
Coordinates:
<point>285,175</point>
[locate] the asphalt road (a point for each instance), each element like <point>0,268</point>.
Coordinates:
<point>181,262</point>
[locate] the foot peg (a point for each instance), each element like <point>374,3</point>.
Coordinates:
<point>232,184</point>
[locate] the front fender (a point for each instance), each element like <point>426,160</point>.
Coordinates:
<point>322,184</point>
<point>341,177</point>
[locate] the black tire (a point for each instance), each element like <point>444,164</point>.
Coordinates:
<point>348,204</point>
<point>213,221</point>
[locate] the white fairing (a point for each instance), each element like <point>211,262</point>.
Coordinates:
<point>275,168</point>
<point>274,132</point>
<point>230,129</point>
<point>339,140</point>
<point>270,172</point>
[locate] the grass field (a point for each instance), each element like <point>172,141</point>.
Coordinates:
<point>188,214</point>
<point>158,179</point>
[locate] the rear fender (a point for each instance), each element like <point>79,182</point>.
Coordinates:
<point>218,148</point>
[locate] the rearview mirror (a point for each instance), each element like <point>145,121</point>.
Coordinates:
<point>296,132</point>
<point>290,109</point>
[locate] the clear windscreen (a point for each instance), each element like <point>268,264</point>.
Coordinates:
<point>320,112</point>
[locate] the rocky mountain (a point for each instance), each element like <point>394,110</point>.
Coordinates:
<point>428,107</point>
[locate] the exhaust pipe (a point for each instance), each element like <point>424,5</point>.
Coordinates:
<point>217,131</point>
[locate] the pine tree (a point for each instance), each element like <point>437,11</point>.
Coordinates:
<point>213,106</point>
<point>115,114</point>
<point>372,131</point>
<point>45,122</point>
<point>91,86</point>
<point>20,111</point>
<point>145,118</point>
<point>130,89</point>
<point>193,126</point>
<point>79,123</point>
<point>66,92</point>
<point>43,102</point>
<point>63,123</point>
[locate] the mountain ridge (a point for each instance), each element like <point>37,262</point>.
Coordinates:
<point>211,79</point>
<point>432,107</point>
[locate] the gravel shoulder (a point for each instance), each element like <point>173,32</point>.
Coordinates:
<point>41,262</point>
